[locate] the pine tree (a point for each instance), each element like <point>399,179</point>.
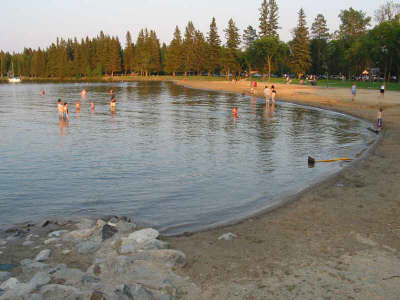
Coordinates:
<point>273,18</point>
<point>232,36</point>
<point>230,53</point>
<point>200,52</point>
<point>188,48</point>
<point>128,53</point>
<point>319,29</point>
<point>300,59</point>
<point>174,57</point>
<point>214,45</point>
<point>264,15</point>
<point>249,36</point>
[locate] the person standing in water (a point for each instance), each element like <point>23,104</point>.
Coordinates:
<point>235,112</point>
<point>113,103</point>
<point>60,108</point>
<point>92,106</point>
<point>354,91</point>
<point>273,94</point>
<point>267,94</point>
<point>78,106</point>
<point>65,111</point>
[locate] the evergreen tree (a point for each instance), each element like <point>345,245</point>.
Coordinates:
<point>264,16</point>
<point>273,18</point>
<point>188,48</point>
<point>128,53</point>
<point>300,46</point>
<point>319,45</point>
<point>249,36</point>
<point>232,36</point>
<point>174,56</point>
<point>214,45</point>
<point>319,29</point>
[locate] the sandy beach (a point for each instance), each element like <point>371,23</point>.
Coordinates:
<point>337,240</point>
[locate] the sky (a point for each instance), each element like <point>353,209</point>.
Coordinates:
<point>37,23</point>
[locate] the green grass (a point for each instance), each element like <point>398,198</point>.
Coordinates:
<point>391,86</point>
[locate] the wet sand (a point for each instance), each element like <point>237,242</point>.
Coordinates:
<point>338,240</point>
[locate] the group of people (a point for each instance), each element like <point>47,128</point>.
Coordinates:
<point>270,94</point>
<point>62,107</point>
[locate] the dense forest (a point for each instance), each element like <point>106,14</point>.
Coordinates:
<point>353,48</point>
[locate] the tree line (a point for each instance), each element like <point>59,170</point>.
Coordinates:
<point>354,47</point>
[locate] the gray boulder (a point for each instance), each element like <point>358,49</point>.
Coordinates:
<point>43,255</point>
<point>87,247</point>
<point>57,291</point>
<point>133,292</point>
<point>4,276</point>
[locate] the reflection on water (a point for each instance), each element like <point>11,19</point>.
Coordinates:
<point>172,157</point>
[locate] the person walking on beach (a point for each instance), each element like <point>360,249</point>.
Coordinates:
<point>354,91</point>
<point>379,121</point>
<point>382,90</point>
<point>267,94</point>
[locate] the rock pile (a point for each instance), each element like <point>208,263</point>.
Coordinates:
<point>125,263</point>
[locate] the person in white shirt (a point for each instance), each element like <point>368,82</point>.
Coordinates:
<point>267,94</point>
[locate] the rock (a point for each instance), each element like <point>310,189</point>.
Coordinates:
<point>2,292</point>
<point>7,267</point>
<point>35,297</point>
<point>27,243</point>
<point>79,234</point>
<point>58,291</point>
<point>128,246</point>
<point>29,266</point>
<point>85,223</point>
<point>88,279</point>
<point>9,284</point>
<point>167,257</point>
<point>108,231</point>
<point>4,276</point>
<point>3,243</point>
<point>131,246</point>
<point>57,233</point>
<point>125,227</point>
<point>70,276</point>
<point>43,255</point>
<point>44,223</point>
<point>144,235</point>
<point>227,236</point>
<point>100,223</point>
<point>97,295</point>
<point>87,247</point>
<point>51,240</point>
<point>40,279</point>
<point>133,292</point>
<point>66,252</point>
<point>20,291</point>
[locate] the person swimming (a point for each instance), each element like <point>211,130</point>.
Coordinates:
<point>83,93</point>
<point>42,92</point>
<point>113,103</point>
<point>60,108</point>
<point>235,112</point>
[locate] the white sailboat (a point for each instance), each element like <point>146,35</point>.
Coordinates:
<point>11,77</point>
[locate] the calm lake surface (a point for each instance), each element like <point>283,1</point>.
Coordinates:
<point>170,157</point>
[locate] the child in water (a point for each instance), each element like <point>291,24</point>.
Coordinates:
<point>60,108</point>
<point>65,111</point>
<point>379,121</point>
<point>273,94</point>
<point>92,106</point>
<point>78,106</point>
<point>235,112</point>
<point>113,103</point>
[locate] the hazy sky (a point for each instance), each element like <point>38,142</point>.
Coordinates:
<point>37,23</point>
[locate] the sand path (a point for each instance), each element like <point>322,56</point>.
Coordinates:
<point>338,240</point>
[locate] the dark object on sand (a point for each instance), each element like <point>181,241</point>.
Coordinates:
<point>311,161</point>
<point>374,130</point>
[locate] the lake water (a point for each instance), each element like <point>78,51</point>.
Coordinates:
<point>170,157</point>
